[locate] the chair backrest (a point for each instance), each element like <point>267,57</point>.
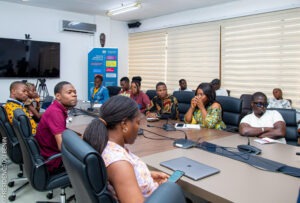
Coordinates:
<point>184,102</point>
<point>246,104</point>
<point>289,116</point>
<point>37,176</point>
<point>151,94</point>
<point>86,170</point>
<point>13,146</point>
<point>113,90</point>
<point>232,108</point>
<point>47,102</point>
<point>168,192</point>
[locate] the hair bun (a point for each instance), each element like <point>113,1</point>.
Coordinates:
<point>136,78</point>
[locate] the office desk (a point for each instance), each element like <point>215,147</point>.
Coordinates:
<point>237,181</point>
<point>145,146</point>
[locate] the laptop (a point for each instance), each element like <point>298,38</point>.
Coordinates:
<point>191,168</point>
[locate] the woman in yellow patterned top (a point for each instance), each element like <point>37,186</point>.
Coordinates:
<point>18,95</point>
<point>204,110</point>
<point>33,102</point>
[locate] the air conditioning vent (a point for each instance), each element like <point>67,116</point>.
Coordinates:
<point>74,26</point>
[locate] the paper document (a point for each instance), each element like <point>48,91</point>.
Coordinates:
<point>187,126</point>
<point>266,140</point>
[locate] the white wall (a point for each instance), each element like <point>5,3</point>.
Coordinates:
<point>217,12</point>
<point>44,25</point>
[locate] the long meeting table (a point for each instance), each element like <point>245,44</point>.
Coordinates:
<point>236,182</point>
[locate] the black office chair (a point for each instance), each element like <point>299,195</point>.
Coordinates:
<point>34,164</point>
<point>184,102</point>
<point>88,175</point>
<point>232,108</point>
<point>47,102</point>
<point>246,104</point>
<point>113,90</point>
<point>289,116</point>
<point>13,151</point>
<point>151,94</point>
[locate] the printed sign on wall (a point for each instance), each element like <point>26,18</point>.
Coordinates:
<point>103,61</point>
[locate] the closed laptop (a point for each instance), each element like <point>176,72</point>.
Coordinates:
<point>191,168</point>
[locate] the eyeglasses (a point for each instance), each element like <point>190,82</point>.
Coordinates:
<point>261,104</point>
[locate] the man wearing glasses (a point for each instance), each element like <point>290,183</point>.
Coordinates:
<point>262,122</point>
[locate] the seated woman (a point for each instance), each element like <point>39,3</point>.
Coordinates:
<point>139,96</point>
<point>163,105</point>
<point>204,110</point>
<point>99,93</point>
<point>33,102</point>
<point>118,124</point>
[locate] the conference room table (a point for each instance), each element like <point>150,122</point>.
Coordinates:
<point>236,182</point>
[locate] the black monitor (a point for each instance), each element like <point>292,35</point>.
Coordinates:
<point>29,59</point>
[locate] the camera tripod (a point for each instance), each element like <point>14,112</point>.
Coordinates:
<point>42,88</point>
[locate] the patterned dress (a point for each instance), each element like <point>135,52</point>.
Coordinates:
<point>213,118</point>
<point>168,105</point>
<point>12,105</point>
<point>114,152</point>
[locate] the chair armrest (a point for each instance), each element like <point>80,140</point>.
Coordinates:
<point>55,156</point>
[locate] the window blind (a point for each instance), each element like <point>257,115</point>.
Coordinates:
<point>262,52</point>
<point>147,57</point>
<point>193,53</point>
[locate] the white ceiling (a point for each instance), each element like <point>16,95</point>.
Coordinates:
<point>150,8</point>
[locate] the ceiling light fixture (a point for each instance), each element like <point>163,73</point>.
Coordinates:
<point>124,8</point>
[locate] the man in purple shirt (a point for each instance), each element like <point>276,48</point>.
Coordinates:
<point>53,123</point>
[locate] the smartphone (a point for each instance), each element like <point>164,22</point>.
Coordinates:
<point>179,125</point>
<point>176,176</point>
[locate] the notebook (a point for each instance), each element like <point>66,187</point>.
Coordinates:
<point>191,168</point>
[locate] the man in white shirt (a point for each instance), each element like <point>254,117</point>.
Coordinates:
<point>183,86</point>
<point>216,83</point>
<point>278,101</point>
<point>263,123</point>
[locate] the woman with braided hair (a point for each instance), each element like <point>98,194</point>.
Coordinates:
<point>128,176</point>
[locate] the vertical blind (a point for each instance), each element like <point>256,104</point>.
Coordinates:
<point>147,57</point>
<point>262,52</point>
<point>193,53</point>
<point>258,53</point>
<point>190,52</point>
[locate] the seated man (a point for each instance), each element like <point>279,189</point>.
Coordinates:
<point>99,93</point>
<point>163,105</point>
<point>278,101</point>
<point>18,96</point>
<point>125,87</point>
<point>216,83</point>
<point>183,86</point>
<point>53,123</point>
<point>263,123</point>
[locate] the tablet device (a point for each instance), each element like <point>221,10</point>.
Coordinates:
<point>191,168</point>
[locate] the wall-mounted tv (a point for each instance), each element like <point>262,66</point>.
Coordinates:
<point>29,59</point>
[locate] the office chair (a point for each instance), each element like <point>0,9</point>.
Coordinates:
<point>113,90</point>
<point>232,108</point>
<point>184,102</point>
<point>246,104</point>
<point>13,151</point>
<point>34,164</point>
<point>88,175</point>
<point>151,94</point>
<point>47,102</point>
<point>289,116</point>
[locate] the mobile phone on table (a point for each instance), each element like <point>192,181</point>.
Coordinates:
<point>176,176</point>
<point>179,125</point>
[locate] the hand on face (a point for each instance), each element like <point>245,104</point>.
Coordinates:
<point>199,101</point>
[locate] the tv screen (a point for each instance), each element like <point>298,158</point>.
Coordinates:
<point>29,59</point>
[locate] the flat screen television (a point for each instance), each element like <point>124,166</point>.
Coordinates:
<point>29,59</point>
